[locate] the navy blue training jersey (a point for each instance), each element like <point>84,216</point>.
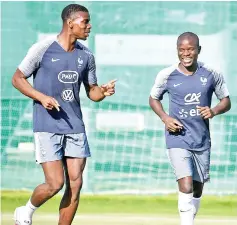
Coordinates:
<point>59,74</point>
<point>185,93</point>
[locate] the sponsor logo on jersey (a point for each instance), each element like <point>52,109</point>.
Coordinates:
<point>67,95</point>
<point>192,112</point>
<point>68,76</point>
<point>192,98</point>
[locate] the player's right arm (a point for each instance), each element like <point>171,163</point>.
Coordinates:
<point>19,80</point>
<point>156,95</point>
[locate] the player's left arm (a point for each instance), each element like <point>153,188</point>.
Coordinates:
<point>223,106</point>
<point>222,94</point>
<point>94,92</point>
<point>98,93</point>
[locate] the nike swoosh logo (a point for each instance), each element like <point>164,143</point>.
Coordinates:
<point>54,60</point>
<point>184,210</point>
<point>175,85</point>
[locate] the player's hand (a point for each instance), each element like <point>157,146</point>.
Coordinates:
<point>172,125</point>
<point>109,88</point>
<point>206,112</point>
<point>49,103</point>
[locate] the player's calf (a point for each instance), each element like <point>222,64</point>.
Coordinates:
<point>197,193</point>
<point>196,204</point>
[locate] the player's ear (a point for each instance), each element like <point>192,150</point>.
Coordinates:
<point>69,23</point>
<point>199,49</point>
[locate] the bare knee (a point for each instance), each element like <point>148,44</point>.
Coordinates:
<point>186,188</point>
<point>55,186</point>
<point>75,168</point>
<point>54,176</point>
<point>185,185</point>
<point>76,184</point>
<point>74,187</point>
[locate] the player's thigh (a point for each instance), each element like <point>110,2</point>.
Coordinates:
<point>181,162</point>
<point>201,161</point>
<point>54,173</point>
<point>48,146</point>
<point>76,146</point>
<point>74,168</point>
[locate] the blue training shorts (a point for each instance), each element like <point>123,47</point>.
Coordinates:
<point>52,147</point>
<point>190,163</point>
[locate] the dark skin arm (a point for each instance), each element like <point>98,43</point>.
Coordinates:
<point>98,93</point>
<point>20,82</point>
<point>171,124</point>
<point>223,106</point>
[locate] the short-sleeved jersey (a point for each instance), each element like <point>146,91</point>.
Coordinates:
<point>185,93</point>
<point>59,74</point>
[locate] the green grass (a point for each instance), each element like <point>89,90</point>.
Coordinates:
<point>167,204</point>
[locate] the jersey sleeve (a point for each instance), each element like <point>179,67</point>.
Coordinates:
<point>220,87</point>
<point>91,75</point>
<point>160,86</point>
<point>31,61</point>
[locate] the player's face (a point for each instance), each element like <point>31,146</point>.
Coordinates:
<point>188,51</point>
<point>81,25</point>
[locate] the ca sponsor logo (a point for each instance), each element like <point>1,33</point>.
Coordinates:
<point>192,98</point>
<point>203,80</point>
<point>68,76</point>
<point>67,95</point>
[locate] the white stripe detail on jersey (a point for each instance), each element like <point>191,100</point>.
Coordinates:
<point>159,88</point>
<point>221,90</point>
<point>91,77</point>
<point>34,56</point>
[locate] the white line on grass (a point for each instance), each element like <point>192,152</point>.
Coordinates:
<point>127,217</point>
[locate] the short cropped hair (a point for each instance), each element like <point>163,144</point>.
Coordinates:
<point>69,10</point>
<point>188,34</point>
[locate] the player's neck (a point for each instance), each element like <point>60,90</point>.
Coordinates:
<point>66,41</point>
<point>188,70</point>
